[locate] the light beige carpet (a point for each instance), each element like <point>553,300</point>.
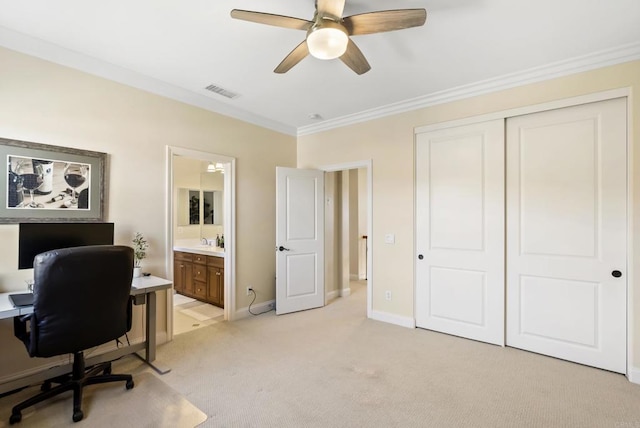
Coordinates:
<point>333,367</point>
<point>151,403</point>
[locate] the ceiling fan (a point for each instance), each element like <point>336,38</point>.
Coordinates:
<point>328,33</point>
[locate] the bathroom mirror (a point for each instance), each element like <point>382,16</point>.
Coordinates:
<point>188,207</point>
<point>194,204</point>
<point>212,207</point>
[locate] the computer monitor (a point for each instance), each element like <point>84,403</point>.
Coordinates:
<point>36,238</point>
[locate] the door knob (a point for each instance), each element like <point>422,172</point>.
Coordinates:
<point>281,248</point>
<point>616,274</point>
<point>420,257</point>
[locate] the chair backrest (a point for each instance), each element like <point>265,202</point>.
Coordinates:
<point>81,298</point>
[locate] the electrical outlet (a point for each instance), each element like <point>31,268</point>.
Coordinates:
<point>249,290</point>
<point>387,295</point>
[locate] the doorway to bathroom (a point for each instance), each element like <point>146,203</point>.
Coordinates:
<point>200,248</point>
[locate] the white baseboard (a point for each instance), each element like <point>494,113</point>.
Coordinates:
<point>256,309</point>
<point>333,295</point>
<point>345,292</point>
<point>393,319</point>
<point>634,375</point>
<point>161,338</point>
<point>354,277</point>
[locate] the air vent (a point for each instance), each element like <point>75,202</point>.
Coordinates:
<point>222,91</point>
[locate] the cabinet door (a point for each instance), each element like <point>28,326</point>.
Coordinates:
<point>214,294</point>
<point>188,278</point>
<point>178,276</point>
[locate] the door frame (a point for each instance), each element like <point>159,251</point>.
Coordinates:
<point>633,373</point>
<point>368,164</point>
<point>229,227</point>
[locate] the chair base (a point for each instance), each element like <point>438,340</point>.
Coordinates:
<point>77,381</point>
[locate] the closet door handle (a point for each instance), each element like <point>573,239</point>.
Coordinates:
<point>281,248</point>
<point>616,274</point>
<point>420,257</point>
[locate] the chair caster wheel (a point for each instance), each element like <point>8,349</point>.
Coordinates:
<point>129,384</point>
<point>77,416</point>
<point>15,418</point>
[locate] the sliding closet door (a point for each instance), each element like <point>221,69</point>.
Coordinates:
<point>460,231</point>
<point>566,233</point>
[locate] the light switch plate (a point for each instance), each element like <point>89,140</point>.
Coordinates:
<point>389,238</point>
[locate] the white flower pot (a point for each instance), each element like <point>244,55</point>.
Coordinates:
<point>137,272</point>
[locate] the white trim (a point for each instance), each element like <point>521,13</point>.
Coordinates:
<point>48,51</point>
<point>604,58</point>
<point>634,375</point>
<point>345,292</point>
<point>332,295</point>
<point>229,227</point>
<point>59,55</point>
<point>368,164</point>
<point>393,319</point>
<point>529,109</point>
<point>258,308</point>
<point>161,337</point>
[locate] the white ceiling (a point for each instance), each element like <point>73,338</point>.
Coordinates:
<point>177,48</point>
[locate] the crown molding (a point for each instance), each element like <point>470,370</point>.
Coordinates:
<point>50,52</point>
<point>604,58</point>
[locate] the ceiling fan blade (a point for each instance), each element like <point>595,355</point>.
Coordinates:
<point>330,8</point>
<point>355,59</point>
<point>271,19</point>
<point>385,20</point>
<point>294,57</point>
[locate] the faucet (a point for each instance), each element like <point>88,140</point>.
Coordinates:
<point>204,241</point>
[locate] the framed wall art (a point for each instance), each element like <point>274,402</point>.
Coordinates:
<point>43,183</point>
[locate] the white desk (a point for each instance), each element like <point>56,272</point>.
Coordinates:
<point>143,289</point>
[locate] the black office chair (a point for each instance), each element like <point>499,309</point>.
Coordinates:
<point>81,300</point>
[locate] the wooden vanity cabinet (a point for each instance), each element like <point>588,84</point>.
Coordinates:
<point>200,277</point>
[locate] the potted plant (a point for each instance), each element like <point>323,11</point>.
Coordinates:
<point>140,246</point>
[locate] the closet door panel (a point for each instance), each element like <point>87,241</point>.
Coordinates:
<point>460,231</point>
<point>566,233</point>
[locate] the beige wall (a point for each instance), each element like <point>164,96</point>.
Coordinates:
<point>47,103</point>
<point>389,142</point>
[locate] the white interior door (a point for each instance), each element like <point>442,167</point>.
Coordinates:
<point>460,231</point>
<point>566,233</point>
<point>299,239</point>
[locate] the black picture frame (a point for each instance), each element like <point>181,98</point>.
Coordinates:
<point>56,201</point>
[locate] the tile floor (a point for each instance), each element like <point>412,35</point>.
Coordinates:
<point>190,314</point>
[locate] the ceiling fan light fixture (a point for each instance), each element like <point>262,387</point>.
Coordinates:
<point>327,40</point>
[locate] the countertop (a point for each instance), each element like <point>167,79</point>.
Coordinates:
<point>198,248</point>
